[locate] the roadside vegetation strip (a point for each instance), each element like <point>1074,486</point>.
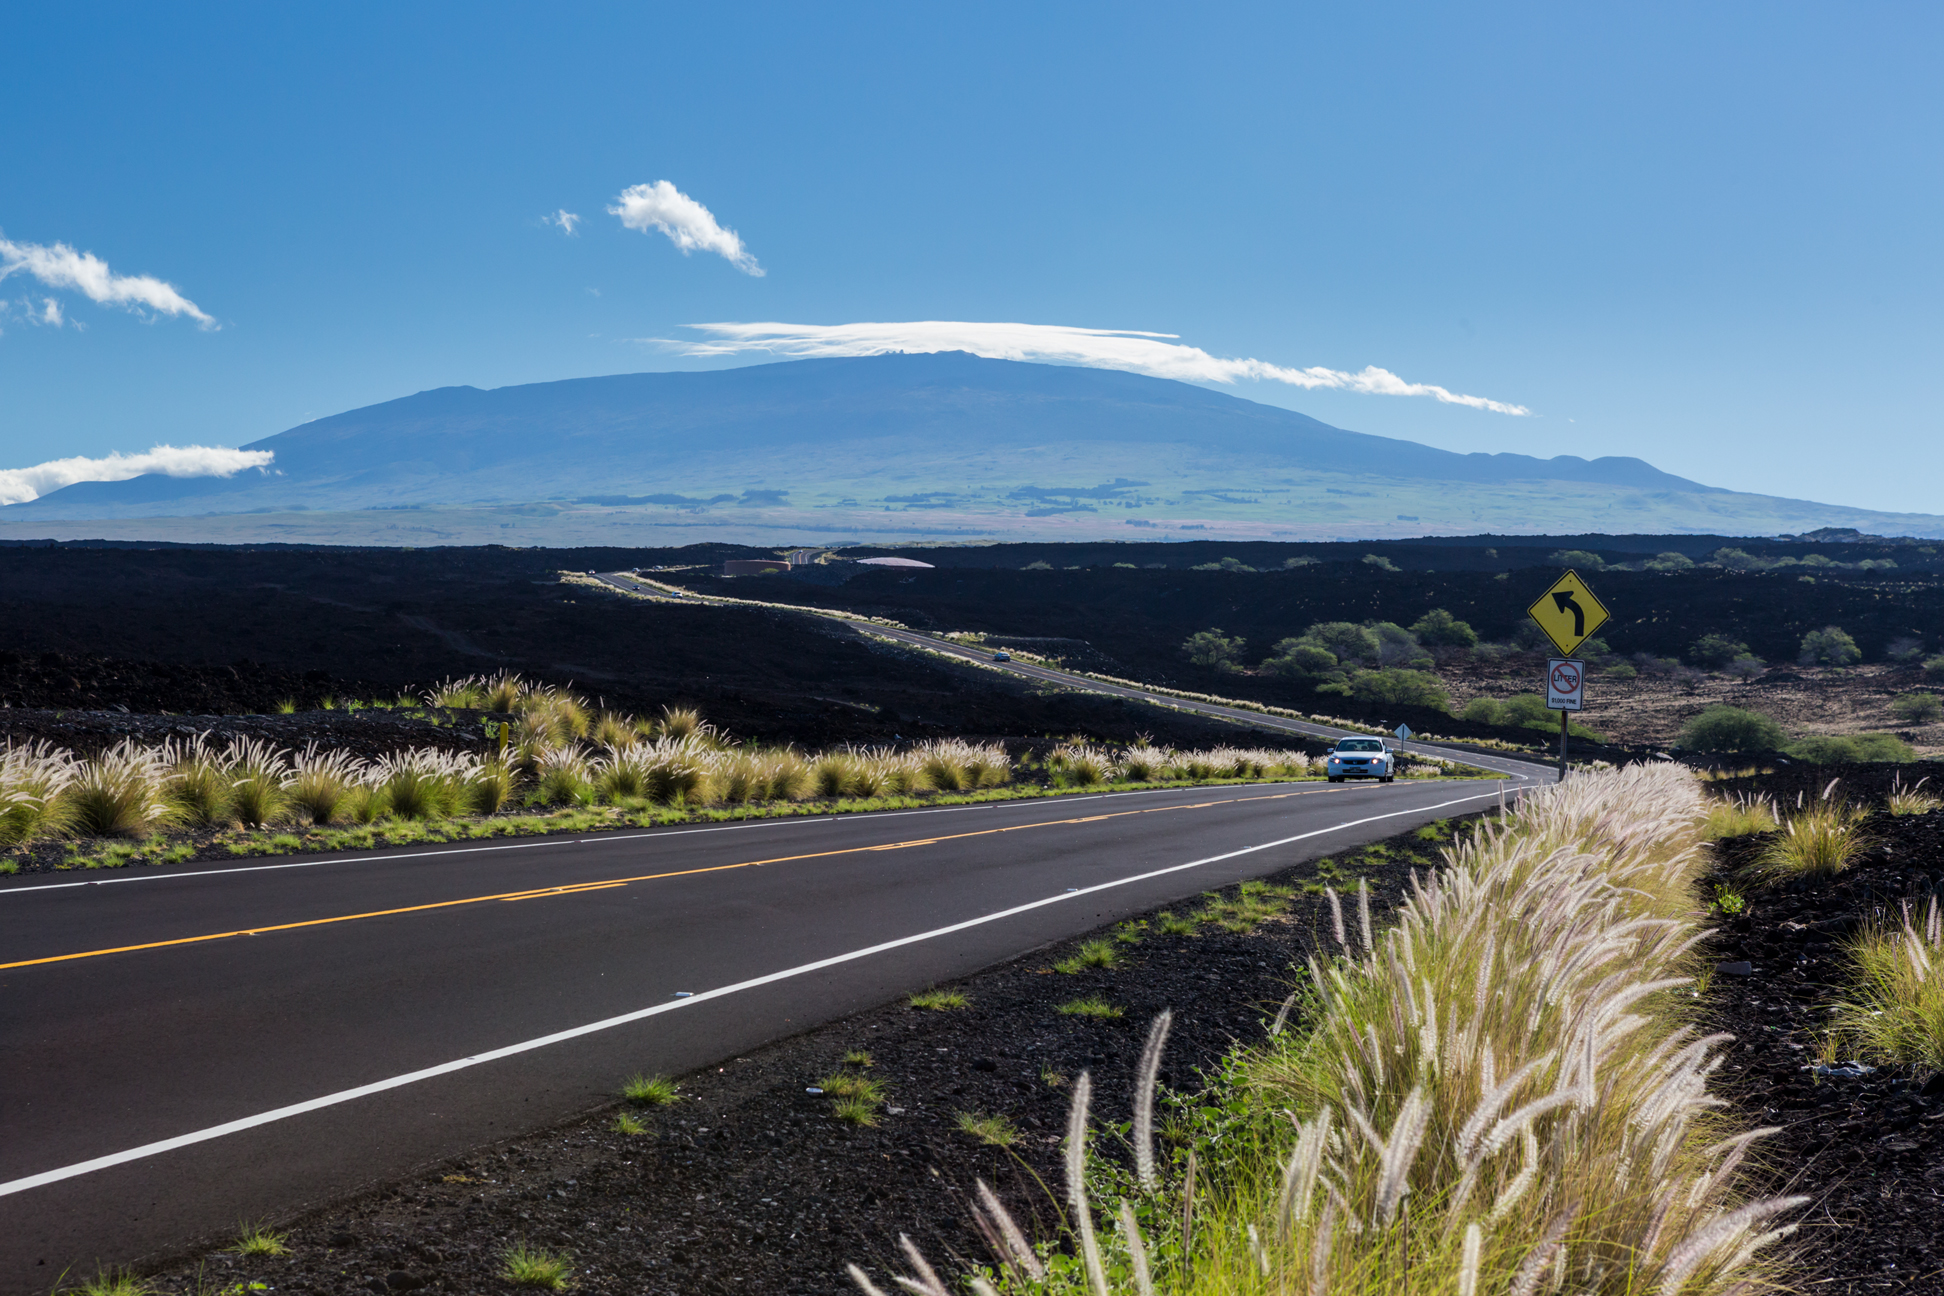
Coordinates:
<point>578,769</point>
<point>1503,1092</point>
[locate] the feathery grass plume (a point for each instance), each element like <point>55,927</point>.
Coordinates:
<point>119,793</point>
<point>619,775</point>
<point>258,775</point>
<point>672,770</point>
<point>942,765</point>
<point>785,775</point>
<point>364,801</point>
<point>320,782</point>
<point>899,773</point>
<point>33,777</point>
<point>1505,1088</point>
<point>488,787</point>
<point>682,723</point>
<point>195,783</point>
<point>1080,764</point>
<point>737,778</point>
<point>1820,839</point>
<point>1912,800</point>
<point>502,692</point>
<point>832,775</point>
<point>615,732</point>
<point>423,783</point>
<point>468,694</point>
<point>1076,1182</point>
<point>563,776</point>
<point>1145,763</point>
<point>1894,1008</point>
<point>1147,1076</point>
<point>1743,817</point>
<point>551,717</point>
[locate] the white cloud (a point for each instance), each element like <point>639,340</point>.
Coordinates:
<point>50,312</point>
<point>60,266</point>
<point>18,485</point>
<point>1148,353</point>
<point>687,223</point>
<point>565,219</point>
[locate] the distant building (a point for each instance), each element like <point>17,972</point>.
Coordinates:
<point>893,562</point>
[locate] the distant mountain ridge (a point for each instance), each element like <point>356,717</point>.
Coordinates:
<point>936,432</point>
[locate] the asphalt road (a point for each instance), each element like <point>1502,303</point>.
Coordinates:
<point>1512,766</point>
<point>193,1046</point>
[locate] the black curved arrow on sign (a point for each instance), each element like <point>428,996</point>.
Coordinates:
<point>1564,602</point>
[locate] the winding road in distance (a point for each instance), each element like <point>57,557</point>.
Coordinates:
<point>194,1045</point>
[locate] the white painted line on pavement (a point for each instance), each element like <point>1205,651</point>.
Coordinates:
<point>527,1046</point>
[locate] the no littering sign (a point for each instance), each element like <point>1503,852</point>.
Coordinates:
<point>1565,684</point>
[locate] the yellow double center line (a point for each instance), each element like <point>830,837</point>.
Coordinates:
<point>579,888</point>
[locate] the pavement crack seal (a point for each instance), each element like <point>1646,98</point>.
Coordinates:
<point>241,1124</point>
<point>608,884</point>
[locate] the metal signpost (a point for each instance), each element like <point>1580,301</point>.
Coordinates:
<point>1569,614</point>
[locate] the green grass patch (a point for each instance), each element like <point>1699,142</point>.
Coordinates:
<point>938,1000</point>
<point>650,1091</point>
<point>526,1266</point>
<point>628,1123</point>
<point>1093,954</point>
<point>1092,1006</point>
<point>859,1058</point>
<point>995,1131</point>
<point>111,1282</point>
<point>255,1240</point>
<point>848,1084</point>
<point>1819,840</point>
<point>854,1111</point>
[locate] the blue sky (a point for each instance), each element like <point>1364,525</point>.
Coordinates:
<point>1704,235</point>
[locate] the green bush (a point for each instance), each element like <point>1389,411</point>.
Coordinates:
<point>1715,651</point>
<point>1440,629</point>
<point>1852,749</point>
<point>1348,643</point>
<point>1934,667</point>
<point>1226,564</point>
<point>1212,649</point>
<point>1621,671</point>
<point>1904,650</point>
<point>1743,668</point>
<point>1577,558</point>
<point>1829,646</point>
<point>1299,659</point>
<point>1917,708</point>
<point>1731,729</point>
<point>1668,562</point>
<point>1380,562</point>
<point>1400,687</point>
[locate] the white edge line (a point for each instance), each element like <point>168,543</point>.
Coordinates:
<point>527,1046</point>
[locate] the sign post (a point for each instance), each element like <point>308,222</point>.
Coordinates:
<point>1569,614</point>
<point>1565,693</point>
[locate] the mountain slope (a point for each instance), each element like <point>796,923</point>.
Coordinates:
<point>990,442</point>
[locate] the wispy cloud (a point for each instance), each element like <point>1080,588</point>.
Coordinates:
<point>565,219</point>
<point>18,485</point>
<point>1149,353</point>
<point>688,224</point>
<point>60,266</point>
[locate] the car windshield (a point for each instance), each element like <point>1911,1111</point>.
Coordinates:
<point>1361,745</point>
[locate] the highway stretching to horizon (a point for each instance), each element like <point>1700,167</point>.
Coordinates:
<point>193,1045</point>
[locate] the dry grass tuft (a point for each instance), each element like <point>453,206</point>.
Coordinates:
<point>1895,1009</point>
<point>1820,839</point>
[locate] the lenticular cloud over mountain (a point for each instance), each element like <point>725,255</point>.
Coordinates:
<point>1155,354</point>
<point>18,485</point>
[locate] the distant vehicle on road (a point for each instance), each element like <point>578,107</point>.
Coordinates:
<point>1361,758</point>
<point>1002,656</point>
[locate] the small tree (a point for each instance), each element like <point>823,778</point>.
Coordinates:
<point>1731,729</point>
<point>1905,650</point>
<point>1715,651</point>
<point>1917,708</point>
<point>1743,668</point>
<point>1300,659</point>
<point>1829,646</point>
<point>1212,649</point>
<point>1347,642</point>
<point>1439,629</point>
<point>1400,687</point>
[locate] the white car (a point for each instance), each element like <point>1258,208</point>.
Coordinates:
<point>1361,758</point>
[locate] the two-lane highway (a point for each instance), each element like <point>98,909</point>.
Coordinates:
<point>191,1046</point>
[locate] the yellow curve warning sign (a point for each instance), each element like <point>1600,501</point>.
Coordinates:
<point>1568,613</point>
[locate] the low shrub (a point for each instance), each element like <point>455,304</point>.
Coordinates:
<point>1895,1006</point>
<point>1917,708</point>
<point>1829,646</point>
<point>1214,650</point>
<point>1731,729</point>
<point>1851,749</point>
<point>1400,687</point>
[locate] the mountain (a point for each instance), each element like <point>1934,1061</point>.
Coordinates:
<point>970,445</point>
